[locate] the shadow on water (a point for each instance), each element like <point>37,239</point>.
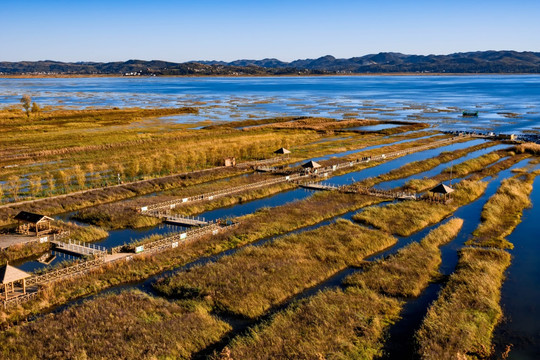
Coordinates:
<point>400,344</point>
<point>521,291</point>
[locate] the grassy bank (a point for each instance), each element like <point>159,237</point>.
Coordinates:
<point>407,217</point>
<point>350,323</point>
<point>255,279</point>
<point>502,212</point>
<point>476,164</point>
<point>459,325</point>
<point>131,325</point>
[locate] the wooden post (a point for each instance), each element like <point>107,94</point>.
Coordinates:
<point>24,286</point>
<point>5,290</point>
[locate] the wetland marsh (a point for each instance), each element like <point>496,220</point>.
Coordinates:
<point>283,271</point>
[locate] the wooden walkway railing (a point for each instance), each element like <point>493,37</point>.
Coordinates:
<point>321,186</point>
<point>390,194</point>
<point>68,271</point>
<point>22,298</point>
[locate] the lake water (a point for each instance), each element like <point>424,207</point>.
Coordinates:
<point>506,103</point>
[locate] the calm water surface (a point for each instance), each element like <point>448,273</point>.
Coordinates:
<point>506,103</point>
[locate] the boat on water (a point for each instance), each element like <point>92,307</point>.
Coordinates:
<point>467,113</point>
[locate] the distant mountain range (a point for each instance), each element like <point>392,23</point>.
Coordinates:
<point>469,62</point>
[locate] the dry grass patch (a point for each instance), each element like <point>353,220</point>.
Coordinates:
<point>460,324</point>
<point>254,279</point>
<point>476,164</point>
<point>409,271</point>
<point>334,324</point>
<point>131,325</point>
<point>530,148</point>
<point>350,323</point>
<point>22,251</point>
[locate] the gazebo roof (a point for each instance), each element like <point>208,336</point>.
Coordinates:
<point>31,217</point>
<point>282,151</point>
<point>442,189</point>
<point>9,274</point>
<point>311,164</point>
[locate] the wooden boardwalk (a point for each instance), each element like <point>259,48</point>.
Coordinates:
<point>171,204</point>
<point>389,194</point>
<point>296,177</point>
<point>83,267</point>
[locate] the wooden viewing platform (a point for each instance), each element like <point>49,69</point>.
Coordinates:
<point>78,248</point>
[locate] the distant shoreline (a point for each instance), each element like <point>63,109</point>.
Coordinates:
<point>74,76</point>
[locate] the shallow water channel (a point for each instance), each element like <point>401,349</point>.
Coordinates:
<point>520,292</point>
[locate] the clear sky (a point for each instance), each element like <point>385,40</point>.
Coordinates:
<point>182,30</point>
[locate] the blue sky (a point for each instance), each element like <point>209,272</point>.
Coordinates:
<point>118,30</point>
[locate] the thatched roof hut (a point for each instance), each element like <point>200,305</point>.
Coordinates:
<point>441,192</point>
<point>442,189</point>
<point>311,165</point>
<point>282,151</point>
<point>27,220</point>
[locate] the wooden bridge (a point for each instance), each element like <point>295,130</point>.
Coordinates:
<point>184,220</point>
<point>320,186</point>
<point>78,248</point>
<point>389,194</point>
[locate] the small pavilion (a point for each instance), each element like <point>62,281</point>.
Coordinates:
<point>441,192</point>
<point>9,275</point>
<point>282,151</point>
<point>28,221</point>
<point>311,166</point>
